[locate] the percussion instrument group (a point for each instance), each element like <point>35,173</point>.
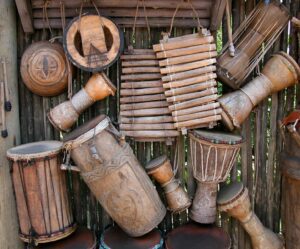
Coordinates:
<point>164,91</point>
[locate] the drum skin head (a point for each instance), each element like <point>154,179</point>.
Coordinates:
<point>229,192</point>
<point>196,236</point>
<point>82,238</point>
<point>115,238</point>
<point>155,163</point>
<point>218,137</point>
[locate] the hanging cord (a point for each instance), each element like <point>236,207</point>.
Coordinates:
<point>199,27</point>
<point>46,18</point>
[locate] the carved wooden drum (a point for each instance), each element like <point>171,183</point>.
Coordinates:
<point>234,200</point>
<point>98,87</point>
<point>195,236</point>
<point>212,155</point>
<point>115,238</point>
<point>44,68</point>
<point>161,170</point>
<point>41,194</point>
<point>101,42</point>
<point>116,178</point>
<point>82,238</point>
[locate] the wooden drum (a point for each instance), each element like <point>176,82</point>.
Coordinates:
<point>44,68</point>
<point>161,170</point>
<point>212,155</point>
<point>115,238</point>
<point>98,87</point>
<point>234,200</point>
<point>81,239</point>
<point>113,174</point>
<point>195,236</point>
<point>41,193</point>
<point>101,42</point>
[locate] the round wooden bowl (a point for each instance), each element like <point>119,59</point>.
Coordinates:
<point>92,43</point>
<point>44,68</point>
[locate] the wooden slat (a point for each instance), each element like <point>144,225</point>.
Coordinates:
<point>24,10</point>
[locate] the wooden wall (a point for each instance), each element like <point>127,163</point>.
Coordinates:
<point>257,165</point>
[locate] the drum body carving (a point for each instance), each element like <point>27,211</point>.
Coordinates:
<point>41,193</point>
<point>161,170</point>
<point>81,239</point>
<point>195,236</point>
<point>44,68</point>
<point>280,71</point>
<point>101,42</point>
<point>213,155</point>
<point>115,177</point>
<point>234,200</point>
<point>263,26</point>
<point>98,87</point>
<point>114,238</point>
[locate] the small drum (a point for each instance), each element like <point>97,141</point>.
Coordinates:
<point>212,155</point>
<point>161,170</point>
<point>195,236</point>
<point>113,174</point>
<point>81,239</point>
<point>115,238</point>
<point>234,200</point>
<point>41,193</point>
<point>44,68</point>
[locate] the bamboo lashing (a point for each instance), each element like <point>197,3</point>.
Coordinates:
<point>189,79</point>
<point>144,112</point>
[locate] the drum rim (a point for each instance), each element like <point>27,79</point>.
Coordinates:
<point>156,163</point>
<point>239,143</point>
<point>15,157</point>
<point>236,196</point>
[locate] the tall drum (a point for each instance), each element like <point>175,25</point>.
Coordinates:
<point>41,193</point>
<point>112,172</point>
<point>213,155</point>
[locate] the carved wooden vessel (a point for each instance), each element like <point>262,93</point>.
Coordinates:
<point>212,155</point>
<point>98,87</point>
<point>113,174</point>
<point>188,72</point>
<point>144,114</point>
<point>161,170</point>
<point>114,238</point>
<point>82,238</point>
<point>44,68</point>
<point>41,193</point>
<point>252,40</point>
<point>234,200</point>
<point>195,236</point>
<point>280,71</point>
<point>101,42</point>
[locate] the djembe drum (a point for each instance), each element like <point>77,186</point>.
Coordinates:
<point>144,113</point>
<point>212,155</point>
<point>195,236</point>
<point>113,174</point>
<point>280,71</point>
<point>115,238</point>
<point>187,69</point>
<point>44,68</point>
<point>98,87</point>
<point>161,170</point>
<point>82,238</point>
<point>101,42</point>
<point>252,40</point>
<point>41,193</point>
<point>234,200</point>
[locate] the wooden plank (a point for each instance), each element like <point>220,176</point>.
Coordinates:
<point>217,13</point>
<point>25,14</point>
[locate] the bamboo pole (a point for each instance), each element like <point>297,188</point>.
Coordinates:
<point>198,115</point>
<point>139,63</point>
<point>199,121</point>
<point>133,70</point>
<point>8,49</point>
<point>152,134</point>
<point>138,77</point>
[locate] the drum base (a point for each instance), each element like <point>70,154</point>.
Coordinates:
<point>81,239</point>
<point>195,236</point>
<point>49,238</point>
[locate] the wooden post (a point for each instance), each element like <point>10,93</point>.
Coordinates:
<point>8,49</point>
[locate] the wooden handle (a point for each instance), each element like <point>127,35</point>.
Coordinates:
<point>4,132</point>
<point>7,103</point>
